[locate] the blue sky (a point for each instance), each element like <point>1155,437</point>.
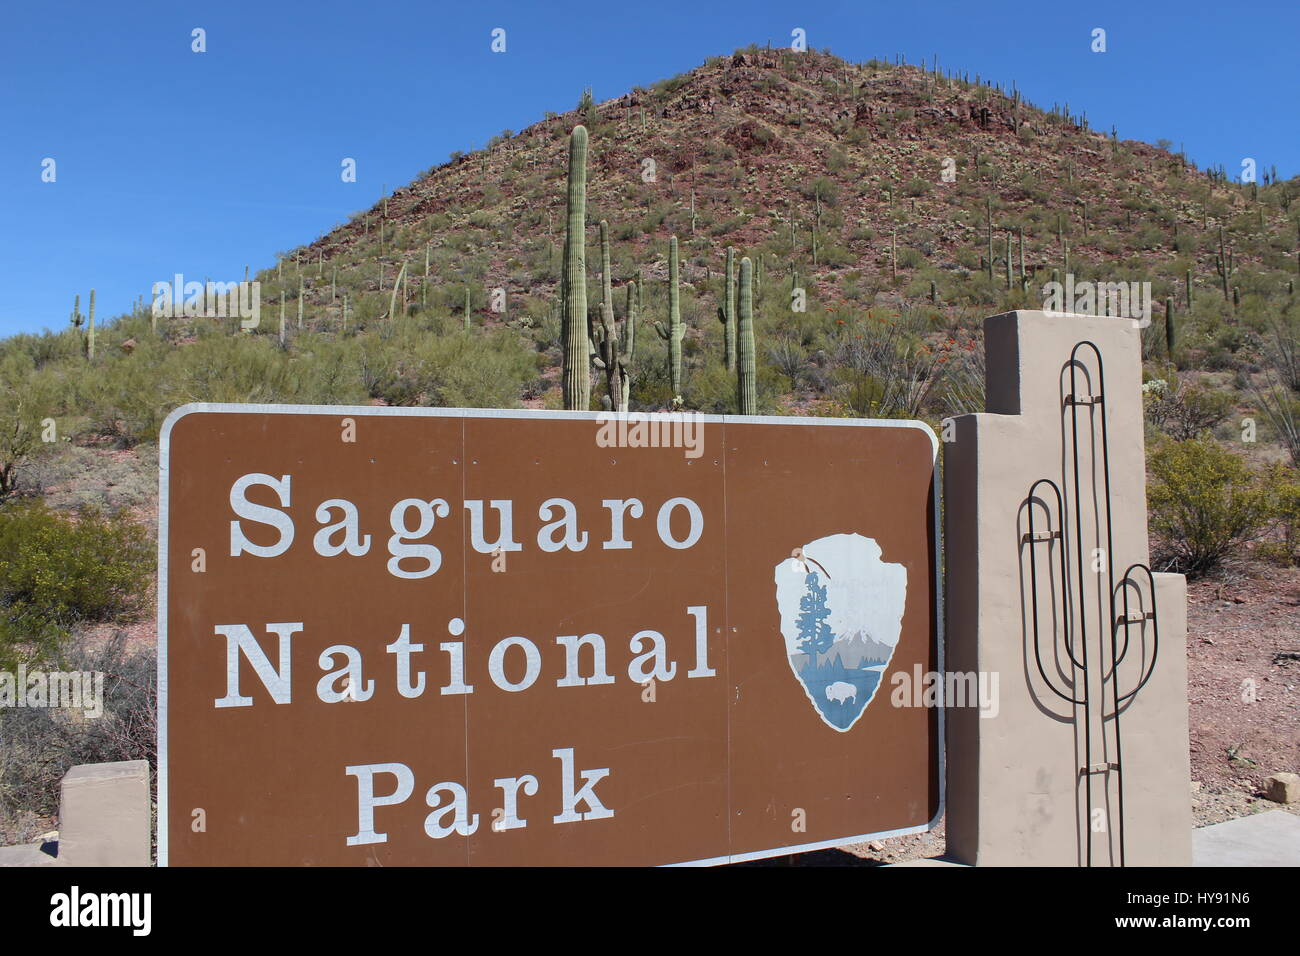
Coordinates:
<point>174,161</point>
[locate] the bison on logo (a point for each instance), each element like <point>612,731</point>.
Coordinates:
<point>841,612</point>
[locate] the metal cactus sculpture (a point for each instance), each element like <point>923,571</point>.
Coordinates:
<point>613,351</point>
<point>675,330</point>
<point>727,313</point>
<point>746,392</point>
<point>573,296</point>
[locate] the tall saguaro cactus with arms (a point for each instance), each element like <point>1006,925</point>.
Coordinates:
<point>614,351</point>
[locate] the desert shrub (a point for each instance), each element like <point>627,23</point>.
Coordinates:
<point>125,398</point>
<point>39,745</point>
<point>1184,410</point>
<point>227,368</point>
<point>822,188</point>
<point>57,571</point>
<point>1205,504</point>
<point>1282,410</point>
<point>1285,549</point>
<point>837,161</point>
<point>834,255</point>
<point>1281,348</point>
<point>964,385</point>
<point>788,357</point>
<point>708,387</point>
<point>46,347</point>
<point>884,367</point>
<point>27,398</point>
<point>462,370</point>
<point>916,186</point>
<point>325,372</point>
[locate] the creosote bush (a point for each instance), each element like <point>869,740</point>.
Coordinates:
<point>57,571</point>
<point>1205,504</point>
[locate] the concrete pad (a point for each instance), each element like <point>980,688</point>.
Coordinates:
<point>931,861</point>
<point>30,854</point>
<point>1271,838</point>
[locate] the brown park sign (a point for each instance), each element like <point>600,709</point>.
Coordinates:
<point>448,637</point>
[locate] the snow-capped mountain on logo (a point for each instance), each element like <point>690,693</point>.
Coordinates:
<point>841,612</point>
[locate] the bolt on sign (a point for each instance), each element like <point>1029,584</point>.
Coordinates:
<point>444,636</point>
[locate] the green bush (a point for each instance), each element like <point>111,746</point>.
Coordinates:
<point>1286,549</point>
<point>57,571</point>
<point>1205,503</point>
<point>459,370</point>
<point>27,398</point>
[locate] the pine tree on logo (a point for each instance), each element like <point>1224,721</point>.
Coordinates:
<point>815,635</point>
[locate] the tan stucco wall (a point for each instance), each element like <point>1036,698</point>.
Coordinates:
<point>1014,795</point>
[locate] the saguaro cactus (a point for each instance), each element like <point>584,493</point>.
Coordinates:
<point>675,330</point>
<point>573,301</point>
<point>727,313</point>
<point>1171,329</point>
<point>614,352</point>
<point>746,392</point>
<point>392,299</point>
<point>1223,264</point>
<point>90,328</point>
<point>988,221</point>
<point>628,350</point>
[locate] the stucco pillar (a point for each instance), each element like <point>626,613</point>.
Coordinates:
<point>1018,782</point>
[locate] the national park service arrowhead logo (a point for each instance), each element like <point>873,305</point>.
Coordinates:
<point>841,616</point>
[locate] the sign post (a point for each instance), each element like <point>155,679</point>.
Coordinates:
<point>459,637</point>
